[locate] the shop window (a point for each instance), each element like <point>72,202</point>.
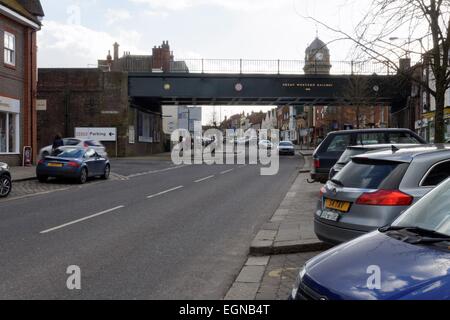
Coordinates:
<point>8,133</point>
<point>10,49</point>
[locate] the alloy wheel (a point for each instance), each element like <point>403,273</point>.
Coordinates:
<point>5,186</point>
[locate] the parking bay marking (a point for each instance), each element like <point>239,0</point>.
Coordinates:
<point>164,192</point>
<point>81,220</point>
<point>204,179</point>
<point>227,171</point>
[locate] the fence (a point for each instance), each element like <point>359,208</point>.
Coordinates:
<point>245,66</point>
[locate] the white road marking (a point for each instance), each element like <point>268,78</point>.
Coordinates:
<point>204,179</point>
<point>83,219</point>
<point>227,171</point>
<point>164,192</point>
<point>155,171</point>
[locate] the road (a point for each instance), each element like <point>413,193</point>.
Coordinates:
<point>155,232</point>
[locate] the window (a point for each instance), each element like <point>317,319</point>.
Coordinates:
<point>374,174</point>
<point>148,128</point>
<point>10,49</point>
<point>371,138</point>
<point>9,132</point>
<point>401,137</point>
<point>438,174</point>
<point>339,143</point>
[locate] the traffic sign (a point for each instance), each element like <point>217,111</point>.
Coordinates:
<point>98,134</point>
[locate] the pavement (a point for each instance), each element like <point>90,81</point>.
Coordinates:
<point>282,246</point>
<point>23,173</point>
<point>153,231</point>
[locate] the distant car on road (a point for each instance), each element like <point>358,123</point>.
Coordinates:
<point>357,150</point>
<point>332,147</point>
<point>74,142</point>
<point>375,188</point>
<point>5,180</point>
<point>410,256</point>
<point>75,163</point>
<point>286,148</point>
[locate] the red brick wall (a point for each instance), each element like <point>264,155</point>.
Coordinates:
<point>88,98</point>
<point>18,82</point>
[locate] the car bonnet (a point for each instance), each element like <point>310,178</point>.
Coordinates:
<point>407,271</point>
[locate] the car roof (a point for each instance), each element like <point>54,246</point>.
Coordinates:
<point>407,154</point>
<point>383,146</point>
<point>369,131</point>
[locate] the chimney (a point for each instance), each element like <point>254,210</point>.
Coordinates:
<point>116,51</point>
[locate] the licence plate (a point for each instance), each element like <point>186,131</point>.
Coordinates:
<point>341,206</point>
<point>330,215</point>
<point>55,165</point>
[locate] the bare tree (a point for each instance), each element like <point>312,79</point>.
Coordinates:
<point>423,21</point>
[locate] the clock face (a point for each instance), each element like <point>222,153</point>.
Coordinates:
<point>319,56</point>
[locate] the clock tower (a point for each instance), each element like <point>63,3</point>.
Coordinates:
<point>317,58</point>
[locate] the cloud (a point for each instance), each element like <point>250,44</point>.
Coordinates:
<point>115,15</point>
<point>71,45</point>
<point>236,5</point>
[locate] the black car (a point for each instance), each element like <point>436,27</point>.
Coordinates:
<point>5,180</point>
<point>334,145</point>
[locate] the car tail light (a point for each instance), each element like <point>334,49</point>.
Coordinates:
<point>73,164</point>
<point>316,163</point>
<point>86,145</point>
<point>41,161</point>
<point>323,190</point>
<point>385,198</point>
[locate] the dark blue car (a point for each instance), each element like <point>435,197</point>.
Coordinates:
<point>74,163</point>
<point>409,260</point>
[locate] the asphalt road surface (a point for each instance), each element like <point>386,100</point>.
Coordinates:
<point>159,232</point>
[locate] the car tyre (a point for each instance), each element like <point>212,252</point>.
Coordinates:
<point>83,176</point>
<point>5,186</point>
<point>107,172</point>
<point>42,179</point>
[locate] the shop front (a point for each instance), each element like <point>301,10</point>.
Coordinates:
<point>9,130</point>
<point>425,127</point>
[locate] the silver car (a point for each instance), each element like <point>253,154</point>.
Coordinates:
<point>375,188</point>
<point>75,142</point>
<point>354,151</point>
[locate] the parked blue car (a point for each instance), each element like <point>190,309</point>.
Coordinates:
<point>409,260</point>
<point>74,163</point>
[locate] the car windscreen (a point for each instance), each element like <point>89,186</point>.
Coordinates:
<point>71,153</point>
<point>430,213</point>
<point>286,144</point>
<point>371,174</point>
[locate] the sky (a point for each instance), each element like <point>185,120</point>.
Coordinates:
<point>76,33</point>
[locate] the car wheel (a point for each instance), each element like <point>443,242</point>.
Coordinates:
<point>5,186</point>
<point>107,172</point>
<point>83,176</point>
<point>42,179</point>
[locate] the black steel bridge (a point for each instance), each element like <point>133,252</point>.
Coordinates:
<point>267,82</point>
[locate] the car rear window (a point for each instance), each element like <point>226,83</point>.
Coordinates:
<point>402,137</point>
<point>71,142</point>
<point>339,143</point>
<point>371,138</point>
<point>372,174</point>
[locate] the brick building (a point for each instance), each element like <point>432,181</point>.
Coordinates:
<point>19,22</point>
<point>99,98</point>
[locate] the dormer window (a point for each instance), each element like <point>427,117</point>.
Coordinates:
<point>10,49</point>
